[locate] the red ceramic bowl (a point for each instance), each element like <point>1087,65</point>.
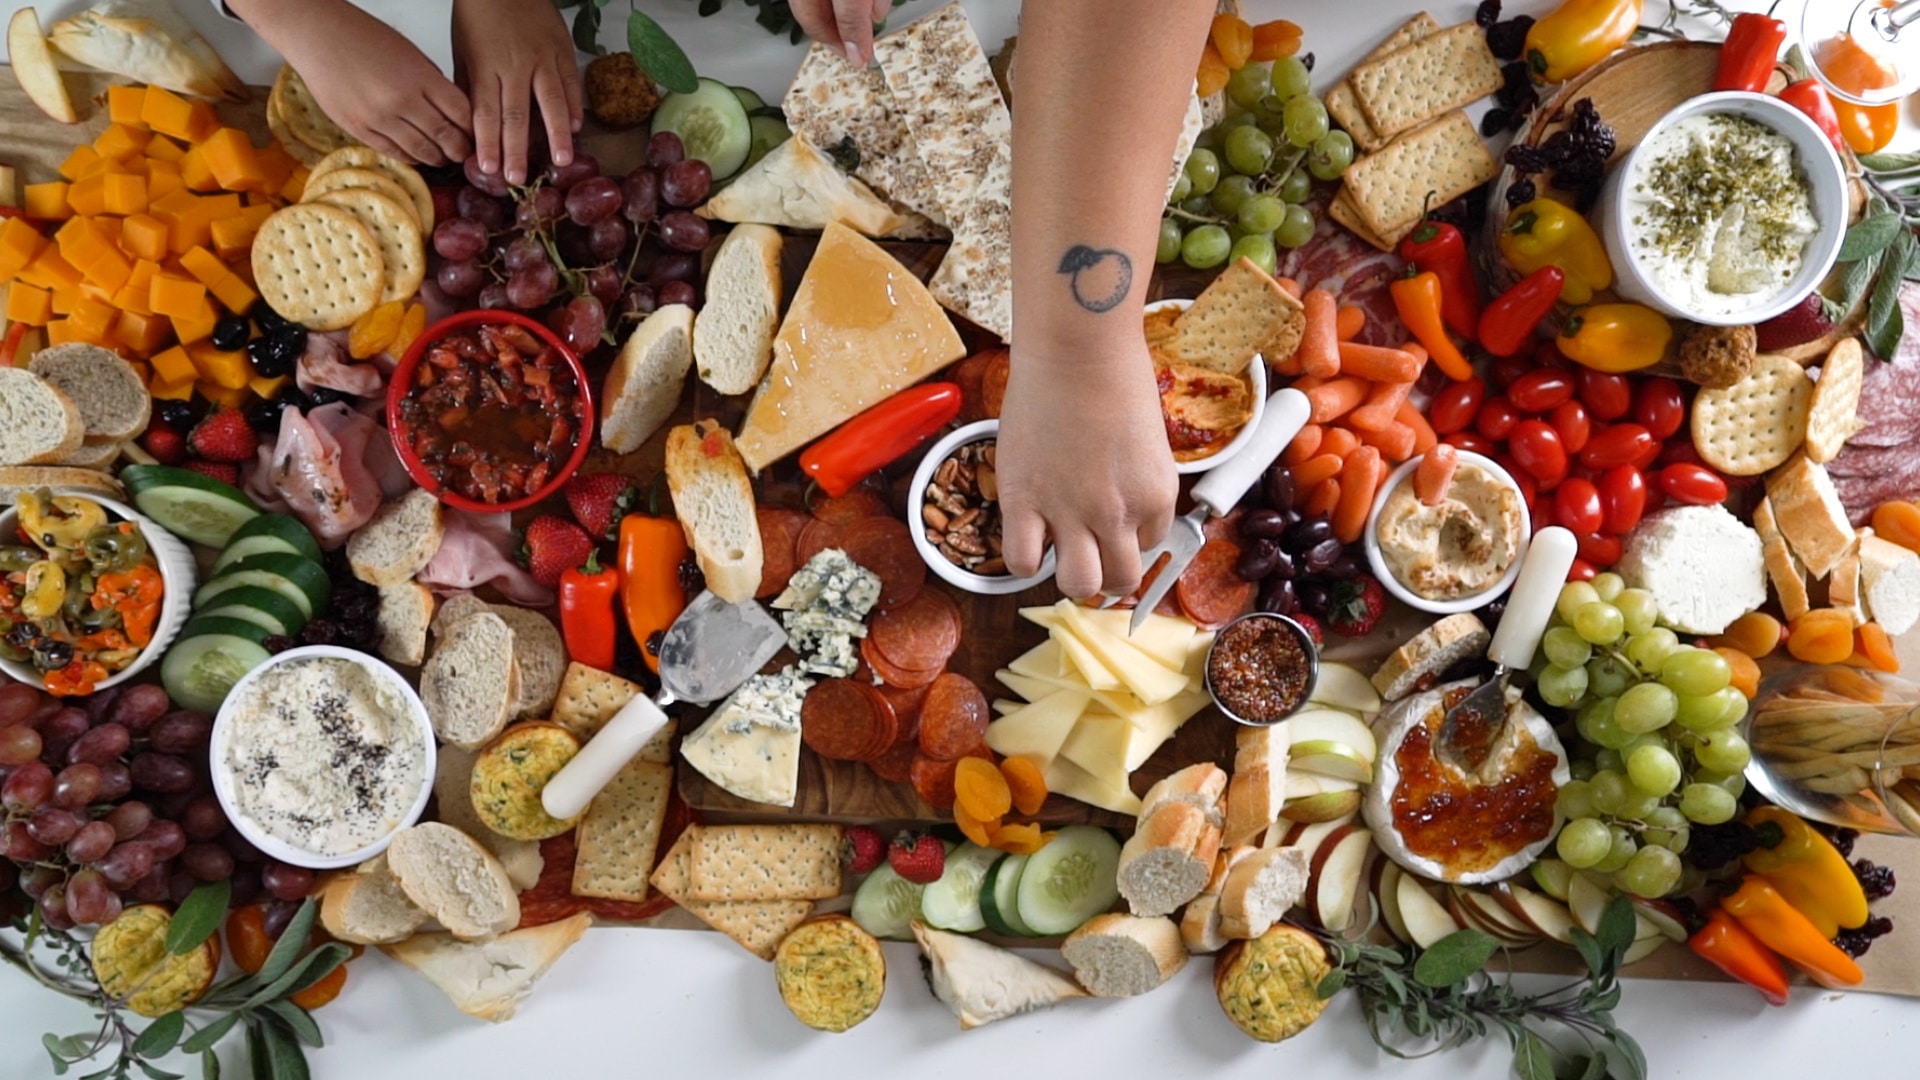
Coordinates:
<point>402,382</point>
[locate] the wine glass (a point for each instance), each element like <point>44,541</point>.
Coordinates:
<point>1866,52</point>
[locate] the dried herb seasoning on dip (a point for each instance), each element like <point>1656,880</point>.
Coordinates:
<point>1259,669</point>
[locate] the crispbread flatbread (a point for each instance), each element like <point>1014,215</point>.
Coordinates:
<point>304,117</point>
<point>943,90</point>
<point>341,177</point>
<point>620,834</point>
<point>831,100</point>
<point>1758,422</point>
<point>759,926</point>
<point>317,265</point>
<point>765,862</point>
<point>589,697</point>
<point>1341,210</point>
<point>1430,166</point>
<point>1833,413</point>
<point>975,280</point>
<point>401,173</point>
<point>402,250</point>
<point>1438,73</point>
<point>1244,311</point>
<point>1345,108</point>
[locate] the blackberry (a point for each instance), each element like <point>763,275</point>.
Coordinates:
<point>1855,943</point>
<point>1496,121</point>
<point>1487,13</point>
<point>177,415</point>
<point>270,321</point>
<point>231,333</point>
<point>321,632</point>
<point>1711,847</point>
<point>1527,159</point>
<point>278,643</point>
<point>264,417</point>
<point>1508,40</point>
<point>1877,881</point>
<point>1521,192</point>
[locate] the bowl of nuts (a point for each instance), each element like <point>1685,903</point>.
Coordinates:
<point>959,499</point>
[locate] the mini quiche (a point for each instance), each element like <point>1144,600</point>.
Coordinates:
<point>831,973</point>
<point>1270,986</point>
<point>131,961</point>
<point>509,775</point>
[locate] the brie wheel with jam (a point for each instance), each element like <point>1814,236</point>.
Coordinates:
<point>1465,828</point>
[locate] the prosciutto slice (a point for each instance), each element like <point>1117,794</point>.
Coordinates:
<point>475,550</point>
<point>1353,271</point>
<point>1882,461</point>
<point>317,471</point>
<point>326,364</point>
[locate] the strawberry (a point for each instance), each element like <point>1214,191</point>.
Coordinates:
<point>164,443</point>
<point>1809,320</point>
<point>553,545</point>
<point>1312,626</point>
<point>920,859</point>
<point>224,435</point>
<point>599,501</point>
<point>862,848</point>
<point>224,471</point>
<point>1357,605</point>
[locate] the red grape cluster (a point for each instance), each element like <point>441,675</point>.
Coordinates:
<point>108,801</point>
<point>590,251</point>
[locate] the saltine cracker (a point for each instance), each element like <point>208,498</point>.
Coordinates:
<point>1345,107</point>
<point>765,862</point>
<point>1403,90</point>
<point>1434,165</point>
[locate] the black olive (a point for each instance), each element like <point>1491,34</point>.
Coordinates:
<point>1316,597</point>
<point>269,321</point>
<point>1265,524</point>
<point>1305,533</point>
<point>231,333</point>
<point>1321,556</point>
<point>51,654</point>
<point>264,417</point>
<point>1279,597</point>
<point>1256,560</point>
<point>1344,568</point>
<point>1279,488</point>
<point>327,395</point>
<point>1284,565</point>
<point>293,339</point>
<point>177,415</point>
<point>267,363</point>
<point>294,396</point>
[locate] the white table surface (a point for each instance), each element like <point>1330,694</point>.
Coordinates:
<point>632,1002</point>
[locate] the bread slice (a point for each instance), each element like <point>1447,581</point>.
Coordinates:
<point>468,683</point>
<point>38,421</point>
<point>15,479</point>
<point>982,983</point>
<point>1890,575</point>
<point>1117,955</point>
<point>733,333</point>
<point>399,542</point>
<point>1201,784</point>
<point>1789,578</point>
<point>714,498</point>
<point>1243,312</point>
<point>1259,890</point>
<point>452,610</point>
<point>406,610</point>
<point>1810,515</point>
<point>368,906</point>
<point>94,455</point>
<point>489,979</point>
<point>447,874</point>
<point>1200,925</point>
<point>1425,657</point>
<point>1259,784</point>
<point>453,798</point>
<point>539,653</point>
<point>113,401</point>
<point>643,386</point>
<point>1843,587</point>
<point>1162,865</point>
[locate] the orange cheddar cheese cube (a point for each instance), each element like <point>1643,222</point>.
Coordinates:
<point>224,369</point>
<point>235,294</point>
<point>197,325</point>
<point>135,294</point>
<point>174,366</point>
<point>175,297</point>
<point>202,121</point>
<point>125,193</point>
<point>144,237</point>
<point>197,174</point>
<point>110,271</point>
<point>47,202</point>
<point>170,391</point>
<point>82,163</point>
<point>27,304</point>
<point>205,267</point>
<point>296,185</point>
<point>233,236</point>
<point>51,270</point>
<point>163,179</point>
<point>190,230</point>
<point>93,318</point>
<point>225,397</point>
<point>227,204</point>
<point>141,333</point>
<point>20,243</point>
<point>88,197</point>
<point>162,148</point>
<point>267,389</point>
<point>230,154</point>
<point>61,332</point>
<point>124,104</point>
<point>276,166</point>
<point>65,299</point>
<point>121,143</point>
<point>110,226</point>
<point>81,242</point>
<point>167,113</point>
<point>174,205</point>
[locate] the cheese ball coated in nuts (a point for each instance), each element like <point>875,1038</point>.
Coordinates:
<point>619,94</point>
<point>1270,986</point>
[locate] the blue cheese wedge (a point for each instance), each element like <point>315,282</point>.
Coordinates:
<point>824,609</point>
<point>750,746</point>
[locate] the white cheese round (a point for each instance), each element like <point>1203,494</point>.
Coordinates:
<point>1702,565</point>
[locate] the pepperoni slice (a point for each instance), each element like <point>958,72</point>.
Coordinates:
<point>1225,527</point>
<point>885,546</point>
<point>906,710</point>
<point>891,673</point>
<point>886,727</point>
<point>993,382</point>
<point>816,537</point>
<point>954,718</point>
<point>1210,593</point>
<point>896,765</point>
<point>933,780</point>
<point>1168,605</point>
<point>837,720</point>
<point>779,542</point>
<point>859,502</point>
<point>969,375</point>
<point>920,634</point>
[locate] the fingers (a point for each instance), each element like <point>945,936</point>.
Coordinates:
<point>816,18</point>
<point>450,121</point>
<point>414,144</point>
<point>568,70</point>
<point>514,118</point>
<point>1079,573</point>
<point>1154,524</point>
<point>485,95</point>
<point>853,20</point>
<point>1023,534</point>
<point>1119,563</point>
<point>549,90</point>
<point>881,9</point>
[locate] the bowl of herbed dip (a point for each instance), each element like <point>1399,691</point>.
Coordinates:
<point>1729,212</point>
<point>320,755</point>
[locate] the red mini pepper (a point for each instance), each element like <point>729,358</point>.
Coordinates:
<point>878,437</point>
<point>1811,98</point>
<point>1732,948</point>
<point>1751,52</point>
<point>587,595</point>
<point>1509,322</point>
<point>1437,248</point>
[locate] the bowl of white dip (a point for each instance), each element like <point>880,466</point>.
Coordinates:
<point>320,755</point>
<point>1729,212</point>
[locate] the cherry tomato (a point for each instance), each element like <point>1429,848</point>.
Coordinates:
<point>1455,406</point>
<point>1607,397</point>
<point>1536,446</point>
<point>1508,368</point>
<point>247,939</point>
<point>1582,571</point>
<point>1620,444</point>
<point>1496,419</point>
<point>1548,355</point>
<point>1678,452</point>
<point>1600,549</point>
<point>1660,406</point>
<point>1576,504</point>
<point>1696,485</point>
<point>1542,513</point>
<point>1541,390</point>
<point>323,991</point>
<point>1623,494</point>
<point>1570,420</point>
<point>1529,488</point>
<point>1470,442</point>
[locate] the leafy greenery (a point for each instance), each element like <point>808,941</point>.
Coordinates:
<point>653,49</point>
<point>1878,254</point>
<point>1423,1002</point>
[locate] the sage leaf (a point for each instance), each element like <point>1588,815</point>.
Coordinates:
<point>1633,1063</point>
<point>1596,1068</point>
<point>1588,948</point>
<point>1870,237</point>
<point>52,1043</point>
<point>1856,281</point>
<point>198,917</point>
<point>659,55</point>
<point>1532,1057</point>
<point>289,1062</point>
<point>201,1042</point>
<point>78,1047</point>
<point>258,1064</point>
<point>310,969</point>
<point>209,1065</point>
<point>293,939</point>
<point>154,1072</point>
<point>1335,981</point>
<point>1886,323</point>
<point>161,1036</point>
<point>586,29</point>
<point>1455,957</point>
<point>1615,932</point>
<point>1882,163</point>
<point>296,1020</point>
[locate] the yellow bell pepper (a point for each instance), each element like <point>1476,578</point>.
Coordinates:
<point>1549,233</point>
<point>1810,872</point>
<point>59,524</point>
<point>1579,35</point>
<point>1616,338</point>
<point>1781,927</point>
<point>44,590</point>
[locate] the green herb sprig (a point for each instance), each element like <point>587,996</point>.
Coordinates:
<point>653,49</point>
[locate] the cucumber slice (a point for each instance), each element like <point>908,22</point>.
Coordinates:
<point>768,132</point>
<point>747,98</point>
<point>1070,880</point>
<point>886,904</point>
<point>999,897</point>
<point>202,625</point>
<point>711,124</point>
<point>193,507</point>
<point>293,537</point>
<point>198,672</point>
<point>264,608</point>
<point>302,581</point>
<point>953,902</point>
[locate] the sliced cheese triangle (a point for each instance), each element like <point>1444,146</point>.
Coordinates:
<point>1038,730</point>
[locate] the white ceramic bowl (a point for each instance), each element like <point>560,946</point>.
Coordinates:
<point>982,584</point>
<point>1826,177</point>
<point>177,572</point>
<point>1407,596</point>
<point>1256,372</point>
<point>223,780</point>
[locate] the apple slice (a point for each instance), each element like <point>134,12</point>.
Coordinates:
<point>1323,806</point>
<point>33,66</point>
<point>1344,688</point>
<point>1340,868</point>
<point>1647,940</point>
<point>1333,725</point>
<point>1588,901</point>
<point>1663,916</point>
<point>1554,877</point>
<point>1324,757</point>
<point>1427,920</point>
<point>1312,836</point>
<point>1301,784</point>
<point>1545,914</point>
<point>1496,919</point>
<point>1386,894</point>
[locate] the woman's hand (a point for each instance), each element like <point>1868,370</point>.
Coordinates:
<point>846,25</point>
<point>512,55</point>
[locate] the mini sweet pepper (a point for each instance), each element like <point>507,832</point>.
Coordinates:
<point>1727,945</point>
<point>1615,338</point>
<point>1808,870</point>
<point>1546,232</point>
<point>1780,927</point>
<point>1578,35</point>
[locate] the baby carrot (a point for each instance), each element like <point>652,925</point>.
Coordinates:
<point>1349,321</point>
<point>1288,286</point>
<point>1434,473</point>
<point>1304,445</point>
<point>1383,400</point>
<point>1358,481</point>
<point>1287,365</point>
<point>1316,469</point>
<point>1336,398</point>
<point>1423,436</point>
<point>1395,441</point>
<point>1320,344</point>
<point>1323,500</point>
<point>1378,364</point>
<point>1338,441</point>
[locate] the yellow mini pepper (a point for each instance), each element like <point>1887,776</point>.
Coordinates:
<point>1810,872</point>
<point>1578,35</point>
<point>1549,233</point>
<point>1780,927</point>
<point>1615,338</point>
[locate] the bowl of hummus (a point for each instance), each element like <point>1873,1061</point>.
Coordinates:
<point>320,755</point>
<point>1729,212</point>
<point>1209,414</point>
<point>1454,555</point>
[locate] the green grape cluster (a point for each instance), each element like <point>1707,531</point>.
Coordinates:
<point>1658,720</point>
<point>1244,186</point>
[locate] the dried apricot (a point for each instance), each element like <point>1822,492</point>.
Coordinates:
<point>1273,40</point>
<point>1872,644</point>
<point>1019,839</point>
<point>980,790</point>
<point>1821,636</point>
<point>373,332</point>
<point>1756,633</point>
<point>412,325</point>
<point>974,829</point>
<point>1898,523</point>
<point>323,991</point>
<point>1232,38</point>
<point>1026,783</point>
<point>1746,673</point>
<point>1213,72</point>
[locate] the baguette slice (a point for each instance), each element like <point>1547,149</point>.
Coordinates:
<point>469,682</point>
<point>450,876</point>
<point>368,906</point>
<point>399,542</point>
<point>1201,784</point>
<point>406,610</point>
<point>94,455</point>
<point>1259,890</point>
<point>113,401</point>
<point>453,795</point>
<point>1419,663</point>
<point>1200,925</point>
<point>1809,513</point>
<point>1843,588</point>
<point>15,479</point>
<point>540,654</point>
<point>643,386</point>
<point>1117,955</point>
<point>38,421</point>
<point>714,498</point>
<point>1161,864</point>
<point>1891,576</point>
<point>982,983</point>
<point>1789,578</point>
<point>733,333</point>
<point>489,979</point>
<point>1259,784</point>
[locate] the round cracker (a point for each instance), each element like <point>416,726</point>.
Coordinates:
<point>318,266</point>
<point>1758,422</point>
<point>302,153</point>
<point>1834,415</point>
<point>304,116</point>
<point>391,222</point>
<point>366,157</point>
<point>319,183</point>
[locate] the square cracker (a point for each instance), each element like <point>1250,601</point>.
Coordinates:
<point>1342,210</point>
<point>1242,312</point>
<point>1833,414</point>
<point>620,834</point>
<point>1758,422</point>
<point>758,926</point>
<point>1402,90</point>
<point>589,697</point>
<point>765,862</point>
<point>1345,107</point>
<point>1444,160</point>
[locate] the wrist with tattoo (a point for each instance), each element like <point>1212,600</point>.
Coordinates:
<point>1099,279</point>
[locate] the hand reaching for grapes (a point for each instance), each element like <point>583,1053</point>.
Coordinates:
<point>846,25</point>
<point>511,55</point>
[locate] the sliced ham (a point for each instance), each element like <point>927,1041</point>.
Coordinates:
<point>316,470</point>
<point>1882,461</point>
<point>326,364</point>
<point>476,549</point>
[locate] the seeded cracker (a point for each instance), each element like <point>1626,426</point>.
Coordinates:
<point>831,101</point>
<point>318,266</point>
<point>1445,71</point>
<point>1758,422</point>
<point>391,223</point>
<point>765,862</point>
<point>1833,416</point>
<point>1345,107</point>
<point>620,834</point>
<point>1441,161</point>
<point>759,926</point>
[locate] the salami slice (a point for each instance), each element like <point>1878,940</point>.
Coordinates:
<point>969,375</point>
<point>859,502</point>
<point>1168,605</point>
<point>884,546</point>
<point>891,673</point>
<point>933,780</point>
<point>896,765</point>
<point>1209,592</point>
<point>954,718</point>
<point>779,542</point>
<point>993,383</point>
<point>918,635</point>
<point>816,537</point>
<point>1224,527</point>
<point>886,726</point>
<point>837,720</point>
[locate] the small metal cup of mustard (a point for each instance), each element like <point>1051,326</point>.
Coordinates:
<point>1261,668</point>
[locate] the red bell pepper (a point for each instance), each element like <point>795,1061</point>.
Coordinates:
<point>880,436</point>
<point>1437,248</point>
<point>10,348</point>
<point>1751,52</point>
<point>1810,97</point>
<point>587,595</point>
<point>1509,322</point>
<point>1732,948</point>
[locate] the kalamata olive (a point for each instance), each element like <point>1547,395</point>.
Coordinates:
<point>1305,533</point>
<point>1278,597</point>
<point>1256,560</point>
<point>1278,488</point>
<point>1284,565</point>
<point>1344,568</point>
<point>1315,597</point>
<point>1263,524</point>
<point>1321,556</point>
